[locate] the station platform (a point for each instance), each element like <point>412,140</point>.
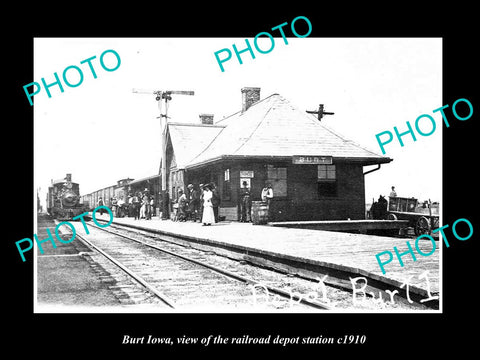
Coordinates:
<point>309,252</point>
<point>361,226</point>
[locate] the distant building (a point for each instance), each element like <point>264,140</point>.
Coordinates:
<point>315,173</point>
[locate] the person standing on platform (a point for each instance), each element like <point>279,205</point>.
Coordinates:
<point>146,204</point>
<point>200,202</point>
<point>142,207</point>
<point>121,207</point>
<point>267,196</point>
<point>129,206</point>
<point>207,217</point>
<point>193,202</point>
<point>135,204</point>
<point>114,206</point>
<point>182,206</point>
<point>245,203</point>
<point>100,203</point>
<point>152,207</point>
<point>215,201</point>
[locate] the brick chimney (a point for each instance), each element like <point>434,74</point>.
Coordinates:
<point>206,119</point>
<point>250,95</point>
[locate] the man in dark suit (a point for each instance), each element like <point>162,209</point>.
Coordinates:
<point>215,200</point>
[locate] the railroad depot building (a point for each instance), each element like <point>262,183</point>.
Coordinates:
<point>315,173</point>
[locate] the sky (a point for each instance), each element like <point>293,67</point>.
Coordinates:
<point>100,131</point>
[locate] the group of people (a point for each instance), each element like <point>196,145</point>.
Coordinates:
<point>246,202</point>
<point>143,205</point>
<point>195,203</point>
<point>140,205</point>
<point>198,204</point>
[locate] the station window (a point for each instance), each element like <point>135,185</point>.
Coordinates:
<point>327,181</point>
<point>277,177</point>
<point>227,185</point>
<point>326,172</point>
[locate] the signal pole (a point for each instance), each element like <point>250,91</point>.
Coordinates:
<point>159,96</point>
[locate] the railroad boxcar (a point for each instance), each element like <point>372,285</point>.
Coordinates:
<point>121,190</point>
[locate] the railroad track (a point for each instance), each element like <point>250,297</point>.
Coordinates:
<point>176,276</point>
<point>187,279</point>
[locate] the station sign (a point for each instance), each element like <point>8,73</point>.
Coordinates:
<point>246,173</point>
<point>312,160</point>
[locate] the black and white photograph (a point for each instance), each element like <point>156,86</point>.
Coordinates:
<point>260,183</point>
<point>253,189</point>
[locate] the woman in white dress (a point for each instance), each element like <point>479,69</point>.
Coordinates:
<point>208,218</point>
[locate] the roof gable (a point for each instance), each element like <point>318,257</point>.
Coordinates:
<point>188,140</point>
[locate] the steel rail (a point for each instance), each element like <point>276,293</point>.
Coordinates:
<point>132,274</point>
<point>227,273</point>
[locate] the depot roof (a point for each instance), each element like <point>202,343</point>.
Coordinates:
<point>270,128</point>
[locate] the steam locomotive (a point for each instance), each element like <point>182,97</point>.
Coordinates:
<point>63,199</point>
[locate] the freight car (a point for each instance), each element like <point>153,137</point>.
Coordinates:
<point>63,199</point>
<point>122,191</point>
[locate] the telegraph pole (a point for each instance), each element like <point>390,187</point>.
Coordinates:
<point>159,96</point>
